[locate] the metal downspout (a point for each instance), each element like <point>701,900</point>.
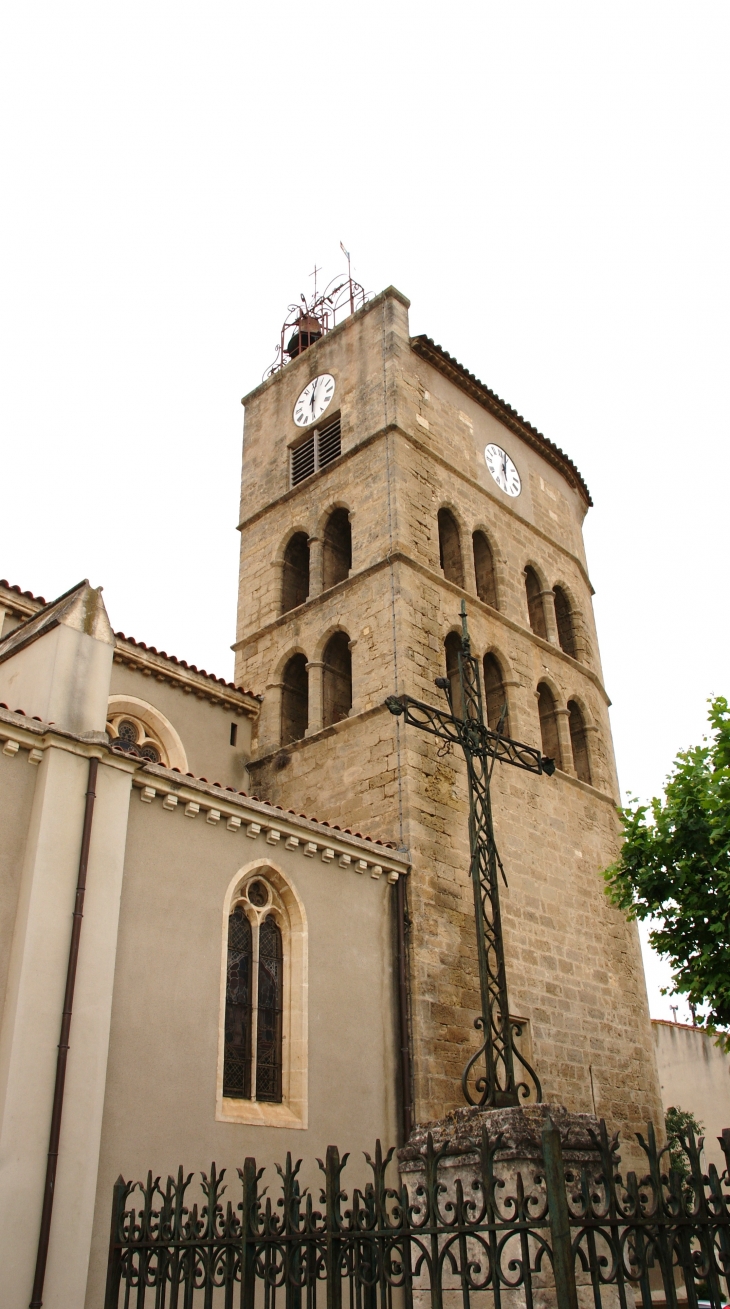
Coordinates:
<point>63,1046</point>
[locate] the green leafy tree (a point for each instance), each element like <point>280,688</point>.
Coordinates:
<point>674,868</point>
<point>677,1123</point>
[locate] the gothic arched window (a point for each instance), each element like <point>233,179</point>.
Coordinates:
<point>294,700</point>
<point>535,606</point>
<point>252,1053</point>
<point>269,1012</point>
<point>548,724</point>
<point>495,695</point>
<point>484,570</point>
<point>579,742</point>
<point>450,548</point>
<point>336,549</point>
<point>295,573</point>
<point>452,646</point>
<point>237,1052</point>
<point>336,679</point>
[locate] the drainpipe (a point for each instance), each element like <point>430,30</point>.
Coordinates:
<point>405,1046</point>
<point>55,1133</point>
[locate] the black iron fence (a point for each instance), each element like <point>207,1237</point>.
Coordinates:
<point>489,1235</point>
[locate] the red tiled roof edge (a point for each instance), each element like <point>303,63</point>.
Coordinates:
<point>38,599</point>
<point>182,663</point>
<point>450,367</point>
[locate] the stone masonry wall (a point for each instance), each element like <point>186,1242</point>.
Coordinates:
<point>411,444</point>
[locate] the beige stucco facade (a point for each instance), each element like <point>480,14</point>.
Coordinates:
<point>694,1075</point>
<point>169,855</point>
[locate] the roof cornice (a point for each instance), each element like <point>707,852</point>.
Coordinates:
<point>467,382</point>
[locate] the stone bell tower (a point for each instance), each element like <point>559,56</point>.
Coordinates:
<point>382,484</point>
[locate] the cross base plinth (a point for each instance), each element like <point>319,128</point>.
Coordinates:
<point>497,1178</point>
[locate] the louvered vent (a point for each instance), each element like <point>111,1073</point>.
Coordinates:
<point>319,450</point>
<point>302,461</point>
<point>329,442</point>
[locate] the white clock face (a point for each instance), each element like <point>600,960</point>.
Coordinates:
<point>502,469</point>
<point>314,400</point>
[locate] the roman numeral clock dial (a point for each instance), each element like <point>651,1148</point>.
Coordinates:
<point>503,470</point>
<point>314,399</point>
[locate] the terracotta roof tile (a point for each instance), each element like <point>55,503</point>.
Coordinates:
<point>451,368</point>
<point>182,663</point>
<point>321,822</point>
<point>27,594</point>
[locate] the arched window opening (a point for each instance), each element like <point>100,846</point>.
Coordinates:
<point>548,724</point>
<point>253,1041</point>
<point>337,679</point>
<point>579,742</point>
<point>484,570</point>
<point>269,1013</point>
<point>295,578</point>
<point>535,606</point>
<point>294,700</point>
<point>495,695</point>
<point>336,549</point>
<point>452,646</point>
<point>450,548</point>
<point>130,733</point>
<point>237,1052</point>
<point>564,620</point>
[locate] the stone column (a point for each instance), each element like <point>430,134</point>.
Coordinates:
<point>277,590</point>
<point>551,624</point>
<point>316,565</point>
<point>562,722</point>
<point>269,726</point>
<point>315,688</point>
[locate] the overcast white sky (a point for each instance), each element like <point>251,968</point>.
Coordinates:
<point>547,182</point>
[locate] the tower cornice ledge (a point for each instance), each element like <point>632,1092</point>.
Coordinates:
<point>400,556</point>
<point>380,435</point>
<point>500,409</point>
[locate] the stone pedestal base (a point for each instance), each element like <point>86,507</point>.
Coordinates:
<point>486,1176</point>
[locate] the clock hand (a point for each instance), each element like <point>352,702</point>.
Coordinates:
<point>314,392</point>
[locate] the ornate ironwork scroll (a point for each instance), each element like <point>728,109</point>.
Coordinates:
<point>498,1083</point>
<point>548,1230</point>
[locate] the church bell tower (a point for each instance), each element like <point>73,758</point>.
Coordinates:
<point>382,485</point>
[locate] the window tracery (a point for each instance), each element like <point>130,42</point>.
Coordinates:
<point>254,1003</point>
<point>131,733</point>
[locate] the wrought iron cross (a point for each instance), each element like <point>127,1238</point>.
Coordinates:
<point>497,1085</point>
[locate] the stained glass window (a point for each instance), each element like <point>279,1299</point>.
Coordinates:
<point>237,1054</point>
<point>268,1038</point>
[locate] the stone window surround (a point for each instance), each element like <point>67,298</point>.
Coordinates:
<point>291,919</point>
<point>157,727</point>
